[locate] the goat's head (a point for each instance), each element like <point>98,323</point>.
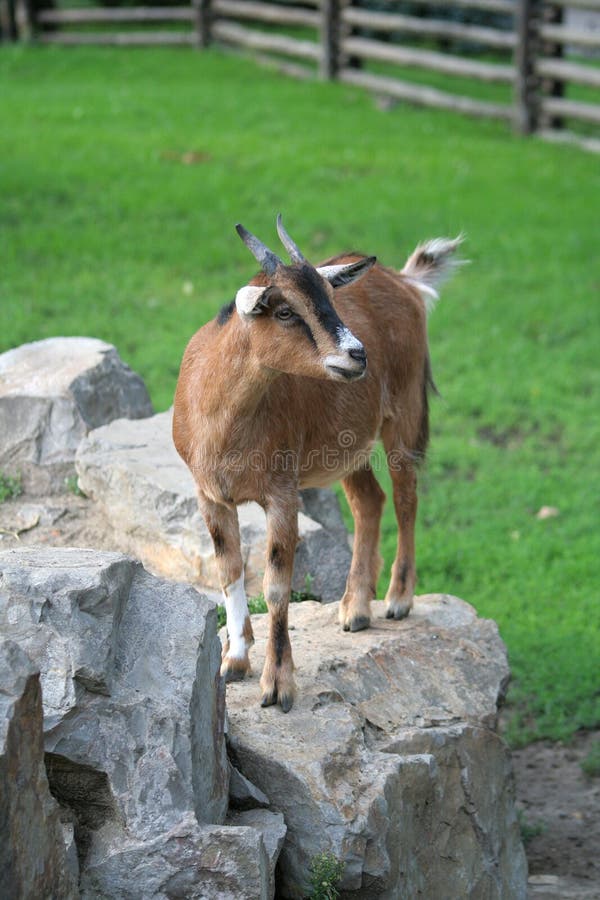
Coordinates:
<point>291,317</point>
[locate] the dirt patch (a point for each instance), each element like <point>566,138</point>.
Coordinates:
<point>558,804</point>
<point>559,808</point>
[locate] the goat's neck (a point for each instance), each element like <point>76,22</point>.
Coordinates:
<point>235,382</point>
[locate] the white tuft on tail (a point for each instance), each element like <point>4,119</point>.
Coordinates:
<point>430,264</point>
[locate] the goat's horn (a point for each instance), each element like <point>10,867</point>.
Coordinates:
<point>261,253</point>
<point>288,243</point>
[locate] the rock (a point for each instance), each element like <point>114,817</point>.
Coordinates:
<point>209,863</point>
<point>146,492</point>
<point>33,856</point>
<point>389,759</point>
<point>273,829</point>
<point>244,795</point>
<point>52,393</point>
<point>133,700</point>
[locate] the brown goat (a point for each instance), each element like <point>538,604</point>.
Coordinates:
<point>275,395</point>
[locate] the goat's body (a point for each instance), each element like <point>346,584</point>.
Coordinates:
<point>275,394</point>
<point>312,431</point>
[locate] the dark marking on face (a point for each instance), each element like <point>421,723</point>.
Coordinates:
<point>310,283</point>
<point>225,313</point>
<point>218,541</point>
<point>281,640</point>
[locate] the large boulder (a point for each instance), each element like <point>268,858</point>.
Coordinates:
<point>52,392</point>
<point>33,854</point>
<point>133,714</point>
<point>389,759</point>
<point>132,470</point>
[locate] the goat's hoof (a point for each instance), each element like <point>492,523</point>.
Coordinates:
<point>286,701</point>
<point>233,669</point>
<point>358,623</point>
<point>398,610</point>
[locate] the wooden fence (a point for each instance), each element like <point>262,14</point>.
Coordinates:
<point>548,70</point>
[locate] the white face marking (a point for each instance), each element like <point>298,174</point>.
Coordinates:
<point>237,612</point>
<point>347,341</point>
<point>246,299</point>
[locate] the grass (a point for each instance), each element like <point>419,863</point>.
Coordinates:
<point>122,174</point>
<point>10,487</point>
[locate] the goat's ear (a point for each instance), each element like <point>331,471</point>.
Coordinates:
<point>248,300</point>
<point>338,276</point>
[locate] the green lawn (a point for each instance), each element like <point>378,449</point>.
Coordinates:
<point>122,174</point>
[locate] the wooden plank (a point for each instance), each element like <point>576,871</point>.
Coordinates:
<point>569,137</point>
<point>578,4</point>
<point>574,109</point>
<point>568,71</point>
<point>426,59</point>
<point>499,6</point>
<point>133,14</point>
<point>260,40</point>
<point>266,12</point>
<point>424,96</point>
<point>122,39</point>
<point>475,34</point>
<point>561,34</point>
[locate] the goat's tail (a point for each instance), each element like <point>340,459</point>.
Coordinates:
<point>430,264</point>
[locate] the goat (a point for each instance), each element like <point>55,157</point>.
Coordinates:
<point>275,394</point>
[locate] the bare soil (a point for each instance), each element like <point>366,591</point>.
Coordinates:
<point>558,804</point>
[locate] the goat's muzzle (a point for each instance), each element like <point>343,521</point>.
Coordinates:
<point>349,365</point>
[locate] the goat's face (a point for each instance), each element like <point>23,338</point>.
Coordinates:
<point>290,315</point>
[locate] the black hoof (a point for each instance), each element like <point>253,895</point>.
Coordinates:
<point>269,699</point>
<point>286,702</point>
<point>346,627</point>
<point>234,675</point>
<point>360,623</point>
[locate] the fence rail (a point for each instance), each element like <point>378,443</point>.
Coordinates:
<point>550,65</point>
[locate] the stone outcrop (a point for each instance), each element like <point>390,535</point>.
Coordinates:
<point>52,392</point>
<point>133,726</point>
<point>33,853</point>
<point>389,759</point>
<point>132,470</point>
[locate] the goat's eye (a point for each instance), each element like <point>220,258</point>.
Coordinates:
<point>284,313</point>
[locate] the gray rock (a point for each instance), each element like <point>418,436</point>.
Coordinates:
<point>146,492</point>
<point>52,393</point>
<point>273,829</point>
<point>33,856</point>
<point>133,700</point>
<point>208,863</point>
<point>389,759</point>
<point>244,795</point>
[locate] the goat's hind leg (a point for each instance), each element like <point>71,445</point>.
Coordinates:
<point>366,500</point>
<point>222,523</point>
<point>399,598</point>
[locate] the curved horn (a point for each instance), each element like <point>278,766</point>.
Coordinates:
<point>261,253</point>
<point>288,243</point>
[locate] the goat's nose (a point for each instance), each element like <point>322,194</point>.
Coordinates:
<point>359,354</point>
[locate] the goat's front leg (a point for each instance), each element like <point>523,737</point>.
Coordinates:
<point>222,523</point>
<point>277,682</point>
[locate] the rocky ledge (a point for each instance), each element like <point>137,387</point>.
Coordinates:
<point>389,758</point>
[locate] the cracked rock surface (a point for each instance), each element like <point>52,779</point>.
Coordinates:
<point>52,392</point>
<point>389,758</point>
<point>134,737</point>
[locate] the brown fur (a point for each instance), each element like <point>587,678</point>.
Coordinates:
<point>257,417</point>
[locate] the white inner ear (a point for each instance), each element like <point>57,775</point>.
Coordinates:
<point>329,272</point>
<point>247,299</point>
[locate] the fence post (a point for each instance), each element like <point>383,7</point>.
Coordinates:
<point>552,15</point>
<point>202,22</point>
<point>330,38</point>
<point>526,81</point>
